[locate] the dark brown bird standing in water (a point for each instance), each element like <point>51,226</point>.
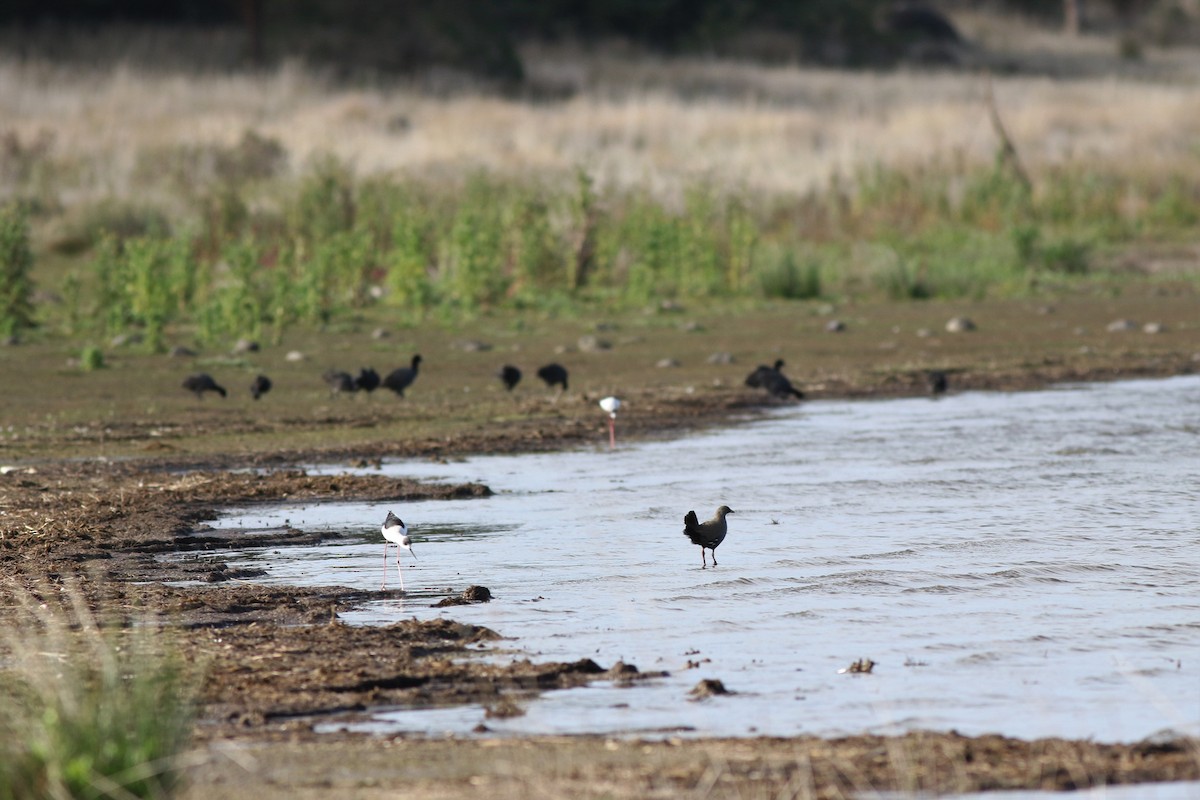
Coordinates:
<point>554,374</point>
<point>202,382</point>
<point>708,534</point>
<point>367,380</point>
<point>510,375</point>
<point>400,379</point>
<point>755,379</point>
<point>261,385</point>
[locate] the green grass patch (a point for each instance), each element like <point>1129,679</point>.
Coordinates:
<point>88,711</point>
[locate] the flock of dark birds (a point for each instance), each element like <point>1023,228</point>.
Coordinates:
<point>768,378</point>
<point>368,380</point>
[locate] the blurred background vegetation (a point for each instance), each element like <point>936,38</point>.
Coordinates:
<point>358,37</point>
<point>225,212</point>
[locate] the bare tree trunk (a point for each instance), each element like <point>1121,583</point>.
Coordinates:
<point>1071,16</point>
<point>252,19</point>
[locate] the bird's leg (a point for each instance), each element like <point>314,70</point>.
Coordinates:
<point>703,562</point>
<point>398,571</point>
<point>714,552</point>
<point>383,585</point>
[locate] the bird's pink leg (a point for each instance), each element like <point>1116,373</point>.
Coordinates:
<point>612,433</point>
<point>398,572</point>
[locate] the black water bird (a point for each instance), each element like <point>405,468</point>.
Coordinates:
<point>708,534</point>
<point>400,379</point>
<point>367,380</point>
<point>755,379</point>
<point>339,382</point>
<point>554,374</point>
<point>202,382</point>
<point>510,375</point>
<point>261,385</point>
<point>779,386</point>
<point>937,382</point>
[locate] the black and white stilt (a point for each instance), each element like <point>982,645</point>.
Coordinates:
<point>396,532</point>
<point>611,404</point>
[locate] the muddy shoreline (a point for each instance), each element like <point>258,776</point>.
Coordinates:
<point>278,661</point>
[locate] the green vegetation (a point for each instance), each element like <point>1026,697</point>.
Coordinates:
<point>331,245</point>
<point>16,263</point>
<point>87,712</point>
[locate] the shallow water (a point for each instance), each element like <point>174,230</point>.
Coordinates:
<point>1015,563</point>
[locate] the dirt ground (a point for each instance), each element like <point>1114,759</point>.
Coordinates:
<point>277,660</point>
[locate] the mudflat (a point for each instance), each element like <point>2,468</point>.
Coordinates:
<point>105,471</point>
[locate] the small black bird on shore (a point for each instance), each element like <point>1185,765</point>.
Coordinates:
<point>367,380</point>
<point>339,382</point>
<point>779,386</point>
<point>554,374</point>
<point>937,382</point>
<point>400,379</point>
<point>261,385</point>
<point>755,379</point>
<point>708,534</point>
<point>510,375</point>
<point>202,382</point>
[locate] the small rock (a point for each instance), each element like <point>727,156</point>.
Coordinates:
<point>691,327</point>
<point>835,326</point>
<point>667,363</point>
<point>245,346</point>
<point>380,333</point>
<point>924,333</point>
<point>294,356</point>
<point>593,344</point>
<point>477,594</point>
<point>122,339</point>
<point>708,687</point>
<point>475,346</point>
<point>863,666</point>
<point>720,358</point>
<point>670,306</point>
<point>1154,327</point>
<point>179,351</point>
<point>959,325</point>
<point>504,708</point>
<point>472,594</point>
<point>1119,325</point>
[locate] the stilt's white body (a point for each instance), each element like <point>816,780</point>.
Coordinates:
<point>395,531</point>
<point>611,404</point>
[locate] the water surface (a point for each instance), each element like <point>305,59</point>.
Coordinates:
<point>1017,563</point>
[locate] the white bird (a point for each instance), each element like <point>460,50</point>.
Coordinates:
<point>611,404</point>
<point>396,532</point>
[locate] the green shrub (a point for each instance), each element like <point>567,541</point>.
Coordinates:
<point>91,359</point>
<point>16,264</point>
<point>89,713</point>
<point>783,277</point>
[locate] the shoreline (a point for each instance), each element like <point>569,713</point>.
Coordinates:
<point>278,657</point>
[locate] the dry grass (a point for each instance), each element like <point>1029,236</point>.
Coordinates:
<point>631,119</point>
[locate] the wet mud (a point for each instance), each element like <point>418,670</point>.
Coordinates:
<point>277,662</point>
